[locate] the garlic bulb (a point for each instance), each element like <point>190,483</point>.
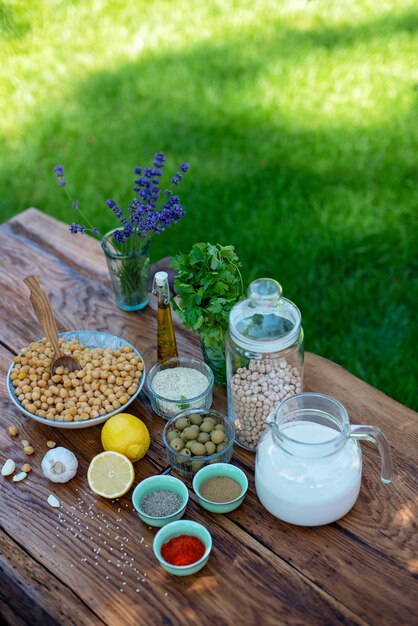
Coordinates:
<point>59,465</point>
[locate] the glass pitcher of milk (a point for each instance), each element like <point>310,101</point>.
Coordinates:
<point>308,463</point>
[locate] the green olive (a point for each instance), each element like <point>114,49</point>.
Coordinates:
<point>196,465</point>
<point>177,444</point>
<point>217,436</point>
<point>183,437</point>
<point>203,437</point>
<point>206,427</point>
<point>220,447</point>
<point>196,419</point>
<point>182,423</point>
<point>220,427</point>
<point>173,434</point>
<point>189,443</point>
<point>191,432</point>
<point>185,452</point>
<point>210,420</point>
<point>198,449</point>
<point>182,460</point>
<point>210,447</point>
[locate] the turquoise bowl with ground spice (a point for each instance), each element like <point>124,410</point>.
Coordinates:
<point>176,529</point>
<point>219,470</point>
<point>160,483</point>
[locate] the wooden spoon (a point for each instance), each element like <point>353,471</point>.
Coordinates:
<point>46,319</point>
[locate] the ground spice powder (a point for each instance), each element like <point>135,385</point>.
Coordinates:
<point>183,550</point>
<point>220,489</point>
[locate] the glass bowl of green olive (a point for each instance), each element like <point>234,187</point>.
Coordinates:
<point>198,437</point>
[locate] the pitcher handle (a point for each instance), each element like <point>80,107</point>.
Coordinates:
<point>375,435</point>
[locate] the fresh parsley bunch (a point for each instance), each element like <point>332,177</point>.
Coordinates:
<point>208,284</point>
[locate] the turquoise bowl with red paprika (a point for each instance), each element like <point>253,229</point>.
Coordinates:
<point>176,529</point>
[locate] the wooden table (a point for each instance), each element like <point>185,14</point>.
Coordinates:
<point>91,562</point>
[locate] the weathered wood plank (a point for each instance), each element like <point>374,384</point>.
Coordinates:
<point>29,593</point>
<point>55,238</point>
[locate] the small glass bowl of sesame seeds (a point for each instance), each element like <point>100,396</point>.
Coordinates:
<point>179,383</point>
<point>161,499</point>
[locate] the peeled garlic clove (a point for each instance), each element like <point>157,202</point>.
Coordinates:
<point>8,468</point>
<point>53,501</point>
<point>18,477</point>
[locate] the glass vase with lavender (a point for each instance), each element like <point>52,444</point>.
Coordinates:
<point>126,247</point>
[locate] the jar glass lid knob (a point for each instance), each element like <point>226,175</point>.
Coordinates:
<point>265,291</point>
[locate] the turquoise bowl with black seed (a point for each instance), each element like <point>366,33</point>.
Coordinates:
<point>155,483</point>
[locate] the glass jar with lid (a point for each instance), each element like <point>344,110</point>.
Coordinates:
<point>264,358</point>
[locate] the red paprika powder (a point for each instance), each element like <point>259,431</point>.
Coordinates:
<point>183,550</point>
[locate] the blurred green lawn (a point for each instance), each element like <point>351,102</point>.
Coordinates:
<point>299,120</point>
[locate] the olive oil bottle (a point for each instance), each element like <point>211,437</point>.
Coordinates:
<point>166,339</point>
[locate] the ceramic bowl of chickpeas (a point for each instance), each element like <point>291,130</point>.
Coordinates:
<point>198,437</point>
<point>111,375</point>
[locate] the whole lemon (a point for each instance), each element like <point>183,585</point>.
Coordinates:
<point>126,434</point>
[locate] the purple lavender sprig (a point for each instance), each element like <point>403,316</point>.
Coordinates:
<point>151,212</point>
<point>74,228</point>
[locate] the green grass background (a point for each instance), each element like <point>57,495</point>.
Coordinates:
<point>299,120</point>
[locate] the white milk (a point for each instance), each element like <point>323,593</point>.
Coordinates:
<point>303,490</point>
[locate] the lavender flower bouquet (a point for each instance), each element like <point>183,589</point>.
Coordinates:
<point>127,246</point>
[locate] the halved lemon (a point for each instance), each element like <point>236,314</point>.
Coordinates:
<point>110,474</point>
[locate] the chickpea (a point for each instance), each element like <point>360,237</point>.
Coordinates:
<point>106,380</point>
